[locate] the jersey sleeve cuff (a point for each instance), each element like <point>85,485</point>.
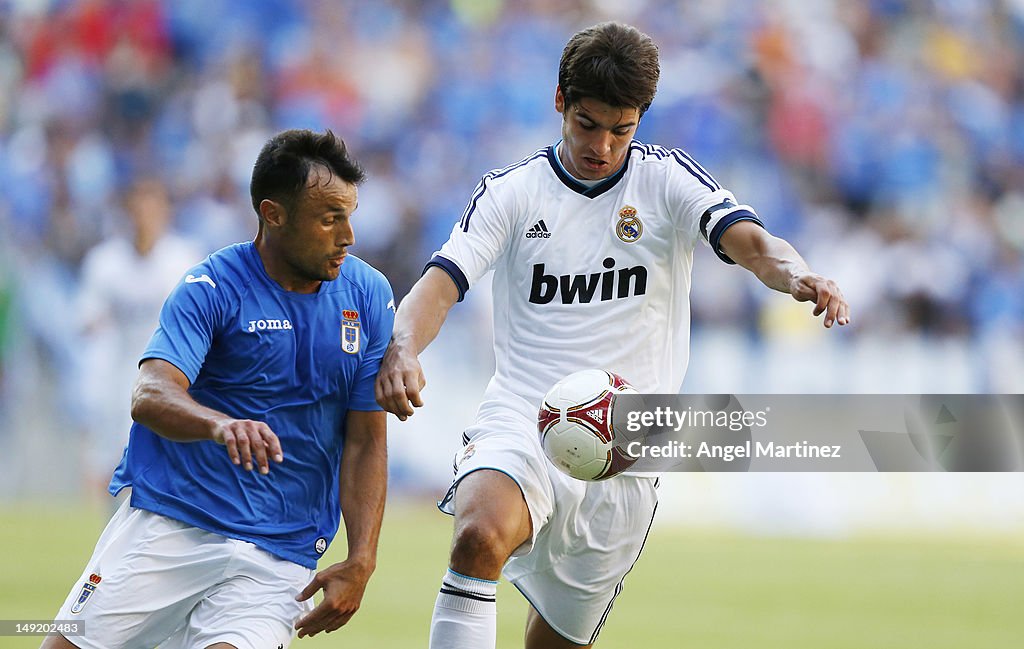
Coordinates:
<point>190,373</point>
<point>731,219</point>
<point>450,267</point>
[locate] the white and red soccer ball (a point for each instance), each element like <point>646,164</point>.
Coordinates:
<point>576,425</point>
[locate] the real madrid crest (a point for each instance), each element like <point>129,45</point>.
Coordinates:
<point>350,331</point>
<point>630,227</point>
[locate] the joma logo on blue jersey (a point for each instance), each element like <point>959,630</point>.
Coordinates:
<point>269,325</point>
<point>609,285</point>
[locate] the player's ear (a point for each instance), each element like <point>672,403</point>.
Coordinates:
<point>559,100</point>
<point>273,213</point>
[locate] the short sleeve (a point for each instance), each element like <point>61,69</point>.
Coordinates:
<point>188,322</point>
<point>479,238</point>
<point>702,207</point>
<point>379,322</point>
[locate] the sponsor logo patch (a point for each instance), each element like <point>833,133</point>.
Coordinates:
<point>269,324</point>
<point>611,284</point>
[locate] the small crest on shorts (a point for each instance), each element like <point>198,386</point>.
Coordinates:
<point>321,545</point>
<point>88,588</point>
<point>350,331</point>
<point>630,227</point>
<point>467,452</point>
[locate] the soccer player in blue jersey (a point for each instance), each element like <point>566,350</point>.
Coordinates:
<point>591,242</point>
<point>256,430</point>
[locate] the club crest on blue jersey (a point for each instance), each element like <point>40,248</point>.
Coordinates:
<point>350,331</point>
<point>88,588</point>
<point>629,228</point>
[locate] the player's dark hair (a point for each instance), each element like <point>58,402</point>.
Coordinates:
<point>283,165</point>
<point>610,62</point>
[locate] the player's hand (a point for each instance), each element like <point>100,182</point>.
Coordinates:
<point>400,381</point>
<point>825,294</point>
<point>343,585</point>
<point>249,442</point>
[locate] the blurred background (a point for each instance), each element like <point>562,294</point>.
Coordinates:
<point>884,138</point>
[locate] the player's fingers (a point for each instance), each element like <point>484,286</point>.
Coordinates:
<point>273,445</point>
<point>259,450</point>
<point>245,451</point>
<point>311,588</point>
<point>824,295</point>
<point>314,622</point>
<point>840,313</point>
<point>412,399</point>
<point>830,315</point>
<point>837,308</point>
<point>844,314</point>
<point>338,621</point>
<point>421,382</point>
<point>386,393</point>
<point>231,444</point>
<point>399,398</point>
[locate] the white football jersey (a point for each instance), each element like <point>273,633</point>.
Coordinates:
<point>589,276</point>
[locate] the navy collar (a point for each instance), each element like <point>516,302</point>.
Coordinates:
<point>577,186</point>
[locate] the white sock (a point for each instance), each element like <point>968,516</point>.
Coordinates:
<point>465,613</point>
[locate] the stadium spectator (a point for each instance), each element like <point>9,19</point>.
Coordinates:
<point>876,113</point>
<point>124,282</point>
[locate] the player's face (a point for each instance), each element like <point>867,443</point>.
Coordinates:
<point>595,136</point>
<point>318,230</point>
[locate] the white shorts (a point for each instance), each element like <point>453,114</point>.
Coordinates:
<point>586,535</point>
<point>153,581</point>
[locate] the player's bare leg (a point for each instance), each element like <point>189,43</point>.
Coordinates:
<point>540,635</point>
<point>57,642</point>
<point>491,521</point>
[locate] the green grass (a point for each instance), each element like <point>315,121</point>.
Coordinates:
<point>707,591</point>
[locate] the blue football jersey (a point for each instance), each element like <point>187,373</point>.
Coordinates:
<point>298,362</point>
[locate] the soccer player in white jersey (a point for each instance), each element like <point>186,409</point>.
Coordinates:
<point>591,242</point>
<point>124,282</point>
<point>256,430</point>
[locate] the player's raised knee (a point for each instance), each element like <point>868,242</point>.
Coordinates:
<point>481,549</point>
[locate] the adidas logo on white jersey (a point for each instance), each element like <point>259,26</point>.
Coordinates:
<point>538,231</point>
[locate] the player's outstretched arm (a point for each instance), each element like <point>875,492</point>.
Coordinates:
<point>363,486</point>
<point>778,265</point>
<point>161,402</point>
<point>417,322</point>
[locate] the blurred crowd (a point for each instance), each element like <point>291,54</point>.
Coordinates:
<point>885,138</point>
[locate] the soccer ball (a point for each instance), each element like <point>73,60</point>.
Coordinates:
<point>576,426</point>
